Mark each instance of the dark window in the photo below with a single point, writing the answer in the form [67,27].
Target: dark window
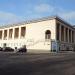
[48,34]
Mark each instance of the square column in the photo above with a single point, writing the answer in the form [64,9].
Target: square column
[74,36]
[60,32]
[71,36]
[64,34]
[68,36]
[7,34]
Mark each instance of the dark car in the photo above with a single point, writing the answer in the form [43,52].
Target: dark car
[22,49]
[8,49]
[1,49]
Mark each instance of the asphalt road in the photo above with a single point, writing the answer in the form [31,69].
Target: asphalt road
[37,64]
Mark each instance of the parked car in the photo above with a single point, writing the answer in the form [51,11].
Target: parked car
[22,49]
[1,49]
[8,49]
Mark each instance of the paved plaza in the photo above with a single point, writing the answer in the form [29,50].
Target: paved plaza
[37,64]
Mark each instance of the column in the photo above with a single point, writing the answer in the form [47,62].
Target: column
[60,33]
[68,35]
[64,34]
[74,36]
[71,36]
[19,32]
[7,34]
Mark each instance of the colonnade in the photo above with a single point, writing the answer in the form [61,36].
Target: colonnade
[65,33]
[12,33]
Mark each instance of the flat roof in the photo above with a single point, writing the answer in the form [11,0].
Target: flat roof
[38,20]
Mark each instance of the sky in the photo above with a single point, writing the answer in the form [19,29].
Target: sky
[15,11]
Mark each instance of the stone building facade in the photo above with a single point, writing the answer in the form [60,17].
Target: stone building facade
[41,35]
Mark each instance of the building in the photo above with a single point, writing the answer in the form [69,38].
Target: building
[41,35]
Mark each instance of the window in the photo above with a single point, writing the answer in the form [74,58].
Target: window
[48,34]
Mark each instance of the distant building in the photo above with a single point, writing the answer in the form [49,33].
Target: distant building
[40,35]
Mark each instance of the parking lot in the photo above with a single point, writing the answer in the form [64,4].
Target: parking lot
[37,64]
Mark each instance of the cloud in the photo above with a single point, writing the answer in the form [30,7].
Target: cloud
[37,11]
[42,8]
[45,9]
[8,18]
[68,16]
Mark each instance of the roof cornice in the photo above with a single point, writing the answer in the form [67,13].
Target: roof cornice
[28,22]
[37,20]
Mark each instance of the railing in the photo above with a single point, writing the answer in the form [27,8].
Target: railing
[43,41]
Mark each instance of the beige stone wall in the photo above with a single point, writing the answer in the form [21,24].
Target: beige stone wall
[34,36]
[37,30]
